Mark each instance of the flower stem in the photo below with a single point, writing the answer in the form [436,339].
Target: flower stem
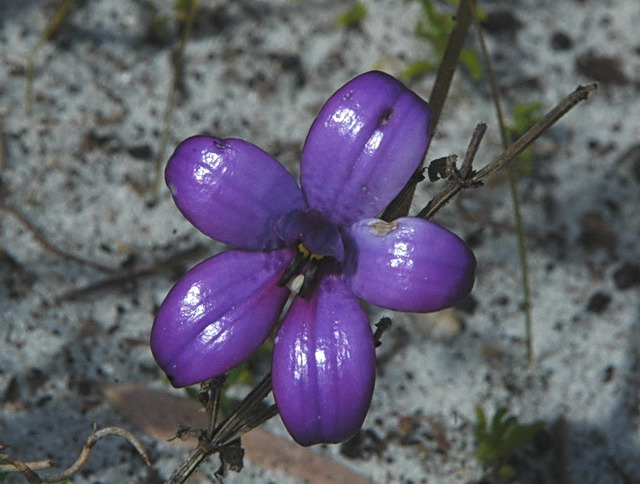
[399,206]
[515,198]
[224,438]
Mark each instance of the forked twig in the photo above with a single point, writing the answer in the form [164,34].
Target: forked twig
[452,189]
[224,439]
[34,478]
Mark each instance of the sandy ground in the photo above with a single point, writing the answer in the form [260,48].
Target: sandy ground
[79,166]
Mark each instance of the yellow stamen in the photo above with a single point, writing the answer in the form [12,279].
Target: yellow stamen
[308,254]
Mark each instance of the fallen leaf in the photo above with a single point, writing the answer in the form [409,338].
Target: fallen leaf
[158,413]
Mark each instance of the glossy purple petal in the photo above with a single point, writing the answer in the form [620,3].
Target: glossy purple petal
[410,264]
[367,140]
[231,190]
[324,365]
[218,313]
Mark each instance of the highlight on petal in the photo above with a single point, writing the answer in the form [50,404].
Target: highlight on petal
[366,142]
[231,190]
[409,264]
[324,365]
[218,314]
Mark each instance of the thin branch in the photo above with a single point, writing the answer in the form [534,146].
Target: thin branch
[227,431]
[451,190]
[472,150]
[515,197]
[212,391]
[450,60]
[563,107]
[457,178]
[95,436]
[27,472]
[400,205]
[34,466]
[225,438]
[45,244]
[119,280]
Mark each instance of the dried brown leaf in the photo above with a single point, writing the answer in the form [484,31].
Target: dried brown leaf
[159,413]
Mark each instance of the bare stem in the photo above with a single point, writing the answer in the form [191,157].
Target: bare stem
[225,438]
[96,435]
[34,466]
[515,198]
[451,190]
[450,60]
[117,280]
[400,205]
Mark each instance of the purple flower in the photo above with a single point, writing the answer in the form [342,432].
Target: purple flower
[321,242]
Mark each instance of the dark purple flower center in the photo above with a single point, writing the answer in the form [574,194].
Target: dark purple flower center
[319,246]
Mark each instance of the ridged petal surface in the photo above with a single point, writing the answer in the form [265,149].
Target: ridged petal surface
[367,140]
[324,365]
[410,264]
[218,313]
[231,190]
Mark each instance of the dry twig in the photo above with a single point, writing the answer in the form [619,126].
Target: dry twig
[34,478]
[454,187]
[118,280]
[224,438]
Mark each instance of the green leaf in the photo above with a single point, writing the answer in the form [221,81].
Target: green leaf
[523,117]
[184,8]
[434,27]
[506,471]
[416,69]
[480,428]
[497,442]
[471,60]
[353,16]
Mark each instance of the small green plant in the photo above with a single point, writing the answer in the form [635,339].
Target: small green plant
[524,116]
[241,374]
[55,22]
[352,17]
[499,440]
[434,27]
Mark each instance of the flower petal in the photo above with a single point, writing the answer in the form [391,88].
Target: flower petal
[218,314]
[231,190]
[366,142]
[324,365]
[410,264]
